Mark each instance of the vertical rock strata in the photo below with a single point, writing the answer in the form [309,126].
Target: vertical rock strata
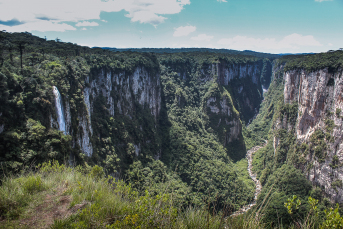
[121,92]
[319,95]
[238,86]
[238,81]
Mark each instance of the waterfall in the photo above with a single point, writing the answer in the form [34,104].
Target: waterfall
[59,110]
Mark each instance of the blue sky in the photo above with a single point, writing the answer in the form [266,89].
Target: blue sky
[273,26]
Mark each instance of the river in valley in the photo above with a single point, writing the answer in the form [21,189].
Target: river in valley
[258,185]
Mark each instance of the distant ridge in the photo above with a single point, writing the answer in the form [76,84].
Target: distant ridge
[288,54]
[181,50]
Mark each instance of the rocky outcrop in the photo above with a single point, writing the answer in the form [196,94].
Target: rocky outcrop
[139,87]
[238,81]
[319,95]
[227,73]
[221,109]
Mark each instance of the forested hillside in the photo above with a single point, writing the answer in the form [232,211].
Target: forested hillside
[300,118]
[124,111]
[174,125]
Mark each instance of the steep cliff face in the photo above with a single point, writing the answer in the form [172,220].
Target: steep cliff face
[121,94]
[318,99]
[228,91]
[240,99]
[243,81]
[224,120]
[227,73]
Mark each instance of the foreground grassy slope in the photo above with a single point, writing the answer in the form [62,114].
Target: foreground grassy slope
[59,197]
[56,196]
[193,161]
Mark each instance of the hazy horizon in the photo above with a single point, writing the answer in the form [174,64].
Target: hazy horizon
[262,26]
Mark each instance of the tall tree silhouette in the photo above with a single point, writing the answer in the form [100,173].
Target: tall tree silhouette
[2,47]
[21,46]
[9,46]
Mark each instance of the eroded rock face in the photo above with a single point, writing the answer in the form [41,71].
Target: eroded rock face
[121,92]
[84,134]
[222,108]
[228,73]
[235,130]
[319,96]
[140,87]
[238,81]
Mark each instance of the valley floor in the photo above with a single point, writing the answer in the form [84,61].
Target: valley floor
[258,185]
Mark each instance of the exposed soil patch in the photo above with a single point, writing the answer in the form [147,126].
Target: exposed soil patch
[55,206]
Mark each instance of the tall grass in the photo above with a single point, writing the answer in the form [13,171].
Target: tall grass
[99,202]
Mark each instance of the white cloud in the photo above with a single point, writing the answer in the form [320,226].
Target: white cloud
[183,31]
[202,37]
[86,23]
[290,42]
[84,28]
[41,26]
[221,0]
[323,0]
[330,44]
[33,12]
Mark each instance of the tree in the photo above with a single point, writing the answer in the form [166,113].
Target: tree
[9,46]
[2,47]
[21,47]
[33,58]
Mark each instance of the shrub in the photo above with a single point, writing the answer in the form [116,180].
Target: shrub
[49,167]
[337,184]
[32,184]
[97,172]
[333,219]
[335,162]
[329,125]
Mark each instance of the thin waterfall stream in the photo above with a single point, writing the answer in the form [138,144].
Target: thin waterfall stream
[59,110]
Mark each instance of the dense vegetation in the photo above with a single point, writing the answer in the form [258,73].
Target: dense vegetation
[199,177]
[27,100]
[56,196]
[276,168]
[333,60]
[183,132]
[196,50]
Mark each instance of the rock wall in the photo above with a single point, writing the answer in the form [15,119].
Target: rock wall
[222,109]
[2,126]
[238,98]
[319,95]
[228,73]
[121,92]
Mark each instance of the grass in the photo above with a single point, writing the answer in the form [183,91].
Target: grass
[56,197]
[59,197]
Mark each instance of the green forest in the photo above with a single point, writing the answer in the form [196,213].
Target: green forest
[181,167]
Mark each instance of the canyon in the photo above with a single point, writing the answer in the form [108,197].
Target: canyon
[182,122]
